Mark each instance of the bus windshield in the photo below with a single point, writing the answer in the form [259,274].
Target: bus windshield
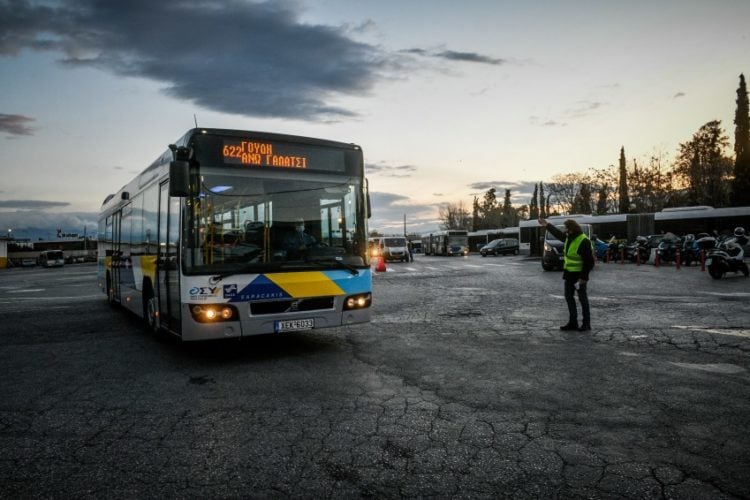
[250,221]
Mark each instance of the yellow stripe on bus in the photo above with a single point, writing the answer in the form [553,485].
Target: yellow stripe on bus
[307,284]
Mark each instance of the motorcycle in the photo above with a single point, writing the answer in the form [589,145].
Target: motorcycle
[638,250]
[690,252]
[726,256]
[667,249]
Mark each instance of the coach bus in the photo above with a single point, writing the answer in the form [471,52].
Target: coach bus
[232,233]
[448,242]
[678,220]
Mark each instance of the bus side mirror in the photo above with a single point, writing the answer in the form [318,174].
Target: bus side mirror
[179,178]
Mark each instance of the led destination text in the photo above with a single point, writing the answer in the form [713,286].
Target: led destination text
[261,154]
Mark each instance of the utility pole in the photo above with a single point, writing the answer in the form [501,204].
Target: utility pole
[404,225]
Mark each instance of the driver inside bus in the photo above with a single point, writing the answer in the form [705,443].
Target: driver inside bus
[296,243]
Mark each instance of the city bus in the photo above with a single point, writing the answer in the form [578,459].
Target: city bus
[447,242]
[51,258]
[678,220]
[231,233]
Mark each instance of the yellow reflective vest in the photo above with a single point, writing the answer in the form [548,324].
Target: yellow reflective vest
[573,261]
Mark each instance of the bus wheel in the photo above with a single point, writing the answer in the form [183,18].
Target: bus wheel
[150,309]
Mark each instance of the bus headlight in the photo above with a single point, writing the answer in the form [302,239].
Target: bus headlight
[360,301]
[212,313]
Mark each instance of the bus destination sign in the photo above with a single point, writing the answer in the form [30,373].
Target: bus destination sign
[264,154]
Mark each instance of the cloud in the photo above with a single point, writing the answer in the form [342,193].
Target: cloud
[383,170]
[469,57]
[389,210]
[452,55]
[32,204]
[583,108]
[16,124]
[252,58]
[36,224]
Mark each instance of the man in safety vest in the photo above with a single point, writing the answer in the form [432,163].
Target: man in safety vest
[579,261]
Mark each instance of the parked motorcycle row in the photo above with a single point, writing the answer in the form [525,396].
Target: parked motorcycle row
[719,254]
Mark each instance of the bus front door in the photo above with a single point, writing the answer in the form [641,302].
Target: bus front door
[168,268]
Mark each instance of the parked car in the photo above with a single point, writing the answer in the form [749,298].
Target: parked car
[501,246]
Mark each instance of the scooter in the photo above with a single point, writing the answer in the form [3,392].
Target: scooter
[690,252]
[667,248]
[639,249]
[727,256]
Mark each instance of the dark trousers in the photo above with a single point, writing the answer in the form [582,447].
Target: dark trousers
[570,298]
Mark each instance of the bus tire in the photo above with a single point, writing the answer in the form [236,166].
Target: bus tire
[150,308]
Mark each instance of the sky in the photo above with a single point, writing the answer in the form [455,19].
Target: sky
[447,99]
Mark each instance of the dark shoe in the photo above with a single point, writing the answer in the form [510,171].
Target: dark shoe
[569,326]
[585,328]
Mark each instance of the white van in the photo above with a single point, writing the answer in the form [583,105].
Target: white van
[395,248]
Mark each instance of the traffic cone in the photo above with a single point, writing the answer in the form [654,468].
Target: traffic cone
[380,266]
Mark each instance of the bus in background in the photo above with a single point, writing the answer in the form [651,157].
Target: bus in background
[51,258]
[232,233]
[448,242]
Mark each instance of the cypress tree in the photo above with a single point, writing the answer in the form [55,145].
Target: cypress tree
[741,182]
[534,204]
[542,205]
[624,206]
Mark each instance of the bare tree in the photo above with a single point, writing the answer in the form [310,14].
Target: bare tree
[454,216]
[564,191]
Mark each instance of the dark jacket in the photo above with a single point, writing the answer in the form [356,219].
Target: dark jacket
[583,250]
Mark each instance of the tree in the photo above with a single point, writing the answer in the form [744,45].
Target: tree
[565,189]
[534,204]
[454,216]
[582,200]
[703,167]
[542,204]
[476,219]
[624,206]
[741,182]
[601,201]
[510,217]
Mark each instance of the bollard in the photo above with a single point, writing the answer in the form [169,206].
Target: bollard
[703,260]
[637,256]
[656,259]
[678,259]
[622,256]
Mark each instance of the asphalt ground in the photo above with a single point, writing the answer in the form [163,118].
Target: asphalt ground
[462,386]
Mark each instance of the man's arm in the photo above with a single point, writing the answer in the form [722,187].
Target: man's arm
[552,229]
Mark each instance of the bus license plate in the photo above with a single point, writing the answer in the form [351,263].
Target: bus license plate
[294,325]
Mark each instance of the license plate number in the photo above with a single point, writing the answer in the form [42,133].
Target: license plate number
[708,262]
[294,325]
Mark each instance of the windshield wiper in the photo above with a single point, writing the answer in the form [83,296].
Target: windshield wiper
[332,260]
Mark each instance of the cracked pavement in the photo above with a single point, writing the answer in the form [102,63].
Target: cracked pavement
[462,386]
